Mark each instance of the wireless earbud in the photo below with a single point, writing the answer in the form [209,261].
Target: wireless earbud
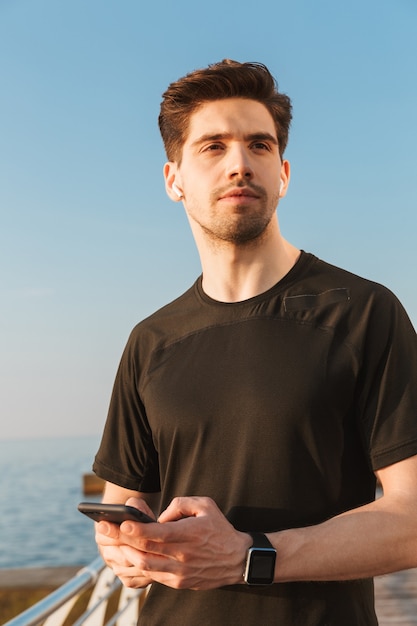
[177,190]
[281,184]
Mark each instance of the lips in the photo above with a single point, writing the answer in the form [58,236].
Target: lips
[239,192]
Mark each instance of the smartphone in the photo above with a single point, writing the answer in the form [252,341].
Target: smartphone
[114,513]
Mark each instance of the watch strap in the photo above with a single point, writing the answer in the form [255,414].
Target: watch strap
[260,540]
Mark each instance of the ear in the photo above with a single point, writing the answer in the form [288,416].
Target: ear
[171,181]
[285,178]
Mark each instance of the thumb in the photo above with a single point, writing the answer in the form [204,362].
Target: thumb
[141,505]
[188,506]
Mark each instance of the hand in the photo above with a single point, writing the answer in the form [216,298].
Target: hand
[192,547]
[109,541]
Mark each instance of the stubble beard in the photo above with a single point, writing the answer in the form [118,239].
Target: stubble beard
[246,225]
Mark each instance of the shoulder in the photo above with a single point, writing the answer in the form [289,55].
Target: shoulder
[167,324]
[352,305]
[327,276]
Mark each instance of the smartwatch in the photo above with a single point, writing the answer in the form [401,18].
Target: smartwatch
[260,561]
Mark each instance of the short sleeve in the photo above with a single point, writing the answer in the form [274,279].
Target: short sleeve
[388,383]
[127,455]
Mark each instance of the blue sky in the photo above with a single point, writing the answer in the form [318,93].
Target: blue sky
[89,242]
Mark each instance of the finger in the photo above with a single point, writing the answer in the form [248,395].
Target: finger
[139,503]
[158,538]
[139,535]
[133,567]
[108,530]
[135,582]
[107,540]
[189,506]
[115,557]
[162,539]
[170,571]
[146,562]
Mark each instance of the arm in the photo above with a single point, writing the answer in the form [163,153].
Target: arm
[375,539]
[202,550]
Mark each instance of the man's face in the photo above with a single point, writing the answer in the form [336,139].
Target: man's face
[230,170]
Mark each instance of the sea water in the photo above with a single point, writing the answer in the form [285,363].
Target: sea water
[40,487]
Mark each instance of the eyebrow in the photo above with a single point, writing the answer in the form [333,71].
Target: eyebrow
[250,137]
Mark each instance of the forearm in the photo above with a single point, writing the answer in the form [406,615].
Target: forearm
[194,546]
[372,540]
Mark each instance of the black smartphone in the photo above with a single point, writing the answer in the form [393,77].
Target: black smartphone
[114,513]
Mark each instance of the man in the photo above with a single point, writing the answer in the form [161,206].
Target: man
[254,413]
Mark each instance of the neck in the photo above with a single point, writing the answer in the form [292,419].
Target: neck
[235,273]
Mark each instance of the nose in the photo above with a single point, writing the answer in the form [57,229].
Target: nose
[239,163]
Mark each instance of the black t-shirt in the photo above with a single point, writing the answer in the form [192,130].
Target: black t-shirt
[280,408]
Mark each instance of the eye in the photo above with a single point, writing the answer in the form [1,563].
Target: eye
[260,145]
[212,147]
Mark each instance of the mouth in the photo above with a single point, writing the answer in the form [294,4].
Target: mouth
[239,193]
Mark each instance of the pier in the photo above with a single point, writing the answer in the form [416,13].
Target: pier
[396,598]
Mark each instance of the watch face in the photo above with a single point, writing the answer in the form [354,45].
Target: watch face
[261,566]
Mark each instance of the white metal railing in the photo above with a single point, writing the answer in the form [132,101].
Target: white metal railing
[55,608]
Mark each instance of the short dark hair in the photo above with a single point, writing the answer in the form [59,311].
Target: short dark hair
[226,79]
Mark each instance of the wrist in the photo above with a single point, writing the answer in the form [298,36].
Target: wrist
[246,542]
[260,561]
